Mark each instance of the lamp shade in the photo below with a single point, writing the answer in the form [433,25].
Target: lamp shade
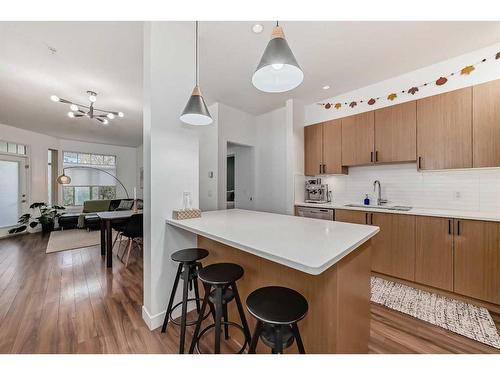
[278,71]
[63,179]
[196,111]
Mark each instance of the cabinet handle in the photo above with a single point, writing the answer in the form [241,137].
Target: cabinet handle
[419,162]
[376,156]
[458,227]
[320,168]
[366,218]
[371,156]
[324,168]
[371,219]
[449,226]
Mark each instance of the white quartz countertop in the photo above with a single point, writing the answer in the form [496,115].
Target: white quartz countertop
[308,245]
[437,212]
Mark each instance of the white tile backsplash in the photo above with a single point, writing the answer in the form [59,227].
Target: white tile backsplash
[402,184]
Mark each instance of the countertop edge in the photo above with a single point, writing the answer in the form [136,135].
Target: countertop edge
[416,211]
[285,262]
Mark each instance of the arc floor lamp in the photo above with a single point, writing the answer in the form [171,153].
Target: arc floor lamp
[65,180]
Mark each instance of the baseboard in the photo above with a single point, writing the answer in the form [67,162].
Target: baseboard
[156,320]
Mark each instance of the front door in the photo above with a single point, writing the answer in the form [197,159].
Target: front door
[13,196]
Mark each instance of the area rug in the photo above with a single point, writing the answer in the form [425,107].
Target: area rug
[457,316]
[73,239]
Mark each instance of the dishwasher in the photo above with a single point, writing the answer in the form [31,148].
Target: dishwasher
[316,213]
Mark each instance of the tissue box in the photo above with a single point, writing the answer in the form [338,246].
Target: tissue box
[186,214]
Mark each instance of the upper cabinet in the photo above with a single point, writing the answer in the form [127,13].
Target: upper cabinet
[322,149]
[444,130]
[396,133]
[358,133]
[486,124]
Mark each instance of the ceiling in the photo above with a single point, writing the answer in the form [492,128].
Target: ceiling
[343,55]
[105,57]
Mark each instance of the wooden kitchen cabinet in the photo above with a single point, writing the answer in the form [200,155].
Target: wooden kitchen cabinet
[313,149]
[444,130]
[434,252]
[396,133]
[322,149]
[477,259]
[351,216]
[393,248]
[358,134]
[486,125]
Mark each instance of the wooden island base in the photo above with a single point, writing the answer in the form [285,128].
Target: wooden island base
[338,320]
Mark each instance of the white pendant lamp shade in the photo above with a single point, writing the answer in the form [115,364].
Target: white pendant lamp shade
[278,71]
[196,111]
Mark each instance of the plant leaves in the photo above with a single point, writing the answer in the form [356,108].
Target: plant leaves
[328,106]
[392,96]
[353,104]
[497,56]
[33,224]
[20,229]
[467,70]
[338,105]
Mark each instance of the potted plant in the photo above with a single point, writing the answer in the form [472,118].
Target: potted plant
[48,215]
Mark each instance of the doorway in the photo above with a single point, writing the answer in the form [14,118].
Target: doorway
[13,199]
[240,176]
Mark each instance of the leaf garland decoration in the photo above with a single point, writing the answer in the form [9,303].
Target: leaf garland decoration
[338,105]
[441,81]
[497,56]
[413,90]
[392,96]
[467,70]
[328,105]
[353,104]
[371,101]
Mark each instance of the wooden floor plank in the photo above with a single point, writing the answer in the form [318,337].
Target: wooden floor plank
[69,302]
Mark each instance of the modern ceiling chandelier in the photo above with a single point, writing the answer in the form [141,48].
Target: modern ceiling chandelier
[278,71]
[80,110]
[196,111]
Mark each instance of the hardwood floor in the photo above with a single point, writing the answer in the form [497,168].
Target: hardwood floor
[68,302]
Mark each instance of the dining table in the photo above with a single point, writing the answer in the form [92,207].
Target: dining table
[107,219]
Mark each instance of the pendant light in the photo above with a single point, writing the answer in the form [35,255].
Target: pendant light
[278,71]
[196,111]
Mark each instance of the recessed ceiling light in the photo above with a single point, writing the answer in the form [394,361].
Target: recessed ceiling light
[326,87]
[257,28]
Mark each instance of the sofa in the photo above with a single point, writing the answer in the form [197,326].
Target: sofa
[88,219]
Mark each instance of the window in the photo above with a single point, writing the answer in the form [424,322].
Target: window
[12,148]
[92,180]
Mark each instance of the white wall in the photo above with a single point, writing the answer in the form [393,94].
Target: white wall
[170,156]
[209,168]
[471,189]
[139,165]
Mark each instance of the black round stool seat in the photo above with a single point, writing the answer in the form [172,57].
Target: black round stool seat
[277,305]
[189,255]
[220,273]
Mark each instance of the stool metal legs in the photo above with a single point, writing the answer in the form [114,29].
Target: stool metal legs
[172,296]
[220,314]
[278,338]
[255,338]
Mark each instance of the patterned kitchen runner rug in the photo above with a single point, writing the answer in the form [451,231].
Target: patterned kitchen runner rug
[454,315]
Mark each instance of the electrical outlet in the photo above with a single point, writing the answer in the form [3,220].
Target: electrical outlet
[457,195]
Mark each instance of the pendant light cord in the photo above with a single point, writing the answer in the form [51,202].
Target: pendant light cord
[196,54]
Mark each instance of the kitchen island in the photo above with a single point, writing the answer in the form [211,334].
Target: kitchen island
[328,262]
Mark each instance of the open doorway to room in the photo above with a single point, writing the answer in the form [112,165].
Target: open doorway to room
[240,176]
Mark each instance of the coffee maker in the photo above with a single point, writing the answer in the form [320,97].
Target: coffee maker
[316,192]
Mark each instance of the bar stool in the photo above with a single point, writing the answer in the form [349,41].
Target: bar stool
[219,281]
[277,310]
[188,269]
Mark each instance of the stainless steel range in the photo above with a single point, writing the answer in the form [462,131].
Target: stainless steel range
[316,192]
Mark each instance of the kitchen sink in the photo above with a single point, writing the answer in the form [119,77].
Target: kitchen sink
[390,208]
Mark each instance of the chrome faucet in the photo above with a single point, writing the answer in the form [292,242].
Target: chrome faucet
[380,201]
